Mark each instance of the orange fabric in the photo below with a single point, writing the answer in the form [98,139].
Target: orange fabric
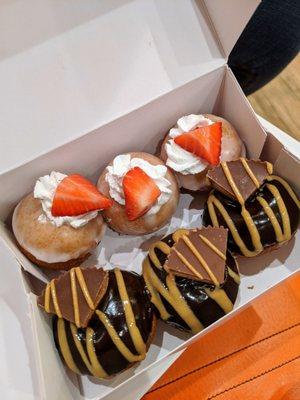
[254,356]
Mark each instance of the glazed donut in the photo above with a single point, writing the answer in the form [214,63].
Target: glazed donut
[111,184]
[117,332]
[56,242]
[260,210]
[188,293]
[189,169]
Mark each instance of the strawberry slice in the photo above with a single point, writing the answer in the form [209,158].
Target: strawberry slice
[75,195]
[140,191]
[204,142]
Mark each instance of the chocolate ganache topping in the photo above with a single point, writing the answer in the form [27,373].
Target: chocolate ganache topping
[192,279]
[259,209]
[118,334]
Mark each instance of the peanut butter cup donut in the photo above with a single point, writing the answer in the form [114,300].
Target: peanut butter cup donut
[192,278]
[260,209]
[104,320]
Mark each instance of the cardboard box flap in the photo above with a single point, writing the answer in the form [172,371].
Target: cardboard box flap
[287,165]
[77,66]
[231,104]
[271,149]
[230,19]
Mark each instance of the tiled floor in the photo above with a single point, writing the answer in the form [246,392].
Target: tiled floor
[279,100]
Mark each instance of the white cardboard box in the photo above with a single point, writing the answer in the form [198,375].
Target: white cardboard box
[89,73]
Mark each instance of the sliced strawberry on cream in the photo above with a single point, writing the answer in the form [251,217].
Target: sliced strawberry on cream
[140,191]
[204,142]
[75,195]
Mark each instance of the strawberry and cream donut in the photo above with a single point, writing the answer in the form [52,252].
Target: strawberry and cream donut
[58,224]
[143,190]
[198,143]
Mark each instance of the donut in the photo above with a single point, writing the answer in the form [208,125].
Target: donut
[260,209]
[220,142]
[144,193]
[111,334]
[59,242]
[192,278]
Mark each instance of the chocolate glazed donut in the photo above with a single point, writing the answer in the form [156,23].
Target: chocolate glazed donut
[265,220]
[118,334]
[188,304]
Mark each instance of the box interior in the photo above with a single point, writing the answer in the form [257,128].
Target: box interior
[216,92]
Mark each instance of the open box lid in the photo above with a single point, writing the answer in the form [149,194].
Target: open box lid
[67,68]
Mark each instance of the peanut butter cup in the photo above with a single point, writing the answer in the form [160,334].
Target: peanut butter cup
[75,295]
[240,178]
[200,254]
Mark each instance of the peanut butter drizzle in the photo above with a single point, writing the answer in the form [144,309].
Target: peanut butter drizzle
[64,346]
[283,212]
[120,345]
[186,312]
[90,361]
[255,236]
[268,210]
[155,297]
[98,369]
[213,202]
[250,172]
[220,297]
[134,332]
[269,168]
[213,247]
[171,293]
[163,247]
[75,297]
[47,299]
[179,234]
[54,299]
[234,275]
[287,188]
[201,260]
[84,288]
[50,292]
[232,183]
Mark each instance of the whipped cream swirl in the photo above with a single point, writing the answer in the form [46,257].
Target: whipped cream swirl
[179,159]
[44,190]
[124,163]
